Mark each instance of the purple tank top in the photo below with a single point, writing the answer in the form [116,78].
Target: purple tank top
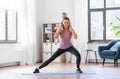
[65,41]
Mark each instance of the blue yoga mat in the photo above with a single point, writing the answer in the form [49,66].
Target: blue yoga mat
[58,73]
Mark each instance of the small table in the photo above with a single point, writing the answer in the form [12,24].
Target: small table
[91,50]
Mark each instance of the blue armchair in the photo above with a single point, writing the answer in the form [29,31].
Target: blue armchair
[106,53]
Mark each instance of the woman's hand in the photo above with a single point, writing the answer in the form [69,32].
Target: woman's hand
[73,32]
[70,29]
[57,33]
[60,27]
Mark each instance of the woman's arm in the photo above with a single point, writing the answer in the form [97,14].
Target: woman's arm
[73,33]
[57,33]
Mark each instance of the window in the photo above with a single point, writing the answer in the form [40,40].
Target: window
[100,14]
[8,26]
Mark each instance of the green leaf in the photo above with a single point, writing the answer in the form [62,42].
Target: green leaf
[117,18]
[116,27]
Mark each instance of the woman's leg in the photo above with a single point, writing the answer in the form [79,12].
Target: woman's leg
[54,56]
[78,56]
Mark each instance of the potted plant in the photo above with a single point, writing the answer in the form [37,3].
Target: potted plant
[116,27]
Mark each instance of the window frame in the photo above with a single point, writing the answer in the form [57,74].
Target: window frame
[104,10]
[6,28]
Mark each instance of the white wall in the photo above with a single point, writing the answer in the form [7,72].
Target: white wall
[39,20]
[9,53]
[52,10]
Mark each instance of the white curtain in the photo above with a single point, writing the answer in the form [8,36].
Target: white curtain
[28,32]
[31,31]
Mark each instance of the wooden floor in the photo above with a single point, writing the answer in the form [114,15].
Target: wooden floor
[102,72]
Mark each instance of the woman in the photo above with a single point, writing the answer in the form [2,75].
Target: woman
[65,31]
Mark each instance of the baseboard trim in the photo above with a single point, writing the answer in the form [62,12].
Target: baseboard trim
[9,64]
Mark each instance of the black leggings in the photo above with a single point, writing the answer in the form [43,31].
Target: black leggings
[71,49]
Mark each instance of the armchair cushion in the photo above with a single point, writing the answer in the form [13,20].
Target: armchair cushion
[115,46]
[108,52]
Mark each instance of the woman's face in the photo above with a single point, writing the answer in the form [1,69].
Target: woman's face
[66,23]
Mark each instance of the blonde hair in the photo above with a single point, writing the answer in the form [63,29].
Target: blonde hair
[64,13]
